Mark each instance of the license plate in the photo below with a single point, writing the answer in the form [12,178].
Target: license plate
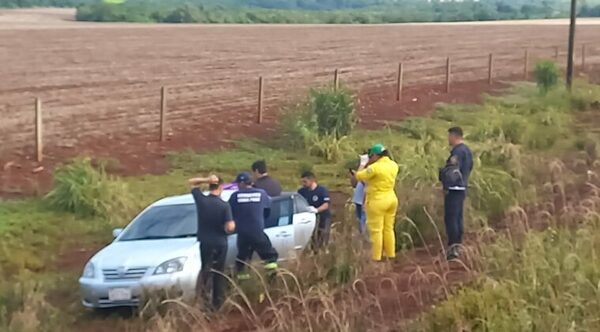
[119,294]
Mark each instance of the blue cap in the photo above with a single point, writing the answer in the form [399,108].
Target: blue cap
[244,177]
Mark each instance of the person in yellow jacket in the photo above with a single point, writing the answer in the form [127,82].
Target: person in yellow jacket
[381,201]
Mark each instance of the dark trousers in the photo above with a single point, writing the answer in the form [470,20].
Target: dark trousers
[247,244]
[322,231]
[453,215]
[212,257]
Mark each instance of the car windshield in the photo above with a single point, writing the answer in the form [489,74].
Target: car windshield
[163,222]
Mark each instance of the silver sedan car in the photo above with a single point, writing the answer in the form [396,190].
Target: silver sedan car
[158,250]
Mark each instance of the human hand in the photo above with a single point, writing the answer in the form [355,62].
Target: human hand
[213,179]
[313,209]
[229,227]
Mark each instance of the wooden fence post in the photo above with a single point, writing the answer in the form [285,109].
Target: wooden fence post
[526,65]
[583,57]
[491,69]
[39,147]
[259,116]
[400,81]
[163,111]
[556,51]
[448,74]
[336,79]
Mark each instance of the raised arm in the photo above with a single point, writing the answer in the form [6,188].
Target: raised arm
[197,182]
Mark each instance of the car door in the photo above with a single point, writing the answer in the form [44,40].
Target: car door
[279,228]
[303,222]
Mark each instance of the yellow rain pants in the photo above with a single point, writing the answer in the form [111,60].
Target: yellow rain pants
[381,205]
[381,219]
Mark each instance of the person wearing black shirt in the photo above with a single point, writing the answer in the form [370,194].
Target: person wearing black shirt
[262,179]
[215,221]
[454,196]
[318,198]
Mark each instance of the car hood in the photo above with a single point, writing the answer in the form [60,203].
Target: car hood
[144,253]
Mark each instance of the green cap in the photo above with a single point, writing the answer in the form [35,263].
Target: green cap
[376,149]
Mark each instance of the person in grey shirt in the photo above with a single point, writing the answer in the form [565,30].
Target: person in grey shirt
[262,179]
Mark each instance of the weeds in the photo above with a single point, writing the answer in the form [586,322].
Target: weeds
[514,139]
[321,123]
[546,76]
[83,189]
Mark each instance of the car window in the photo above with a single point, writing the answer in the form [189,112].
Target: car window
[163,222]
[300,204]
[285,215]
[280,213]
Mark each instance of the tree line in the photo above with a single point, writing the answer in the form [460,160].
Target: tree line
[274,11]
[310,11]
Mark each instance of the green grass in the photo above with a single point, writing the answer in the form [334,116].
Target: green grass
[32,235]
[514,139]
[547,282]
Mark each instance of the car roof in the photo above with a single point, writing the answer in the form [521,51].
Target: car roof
[188,199]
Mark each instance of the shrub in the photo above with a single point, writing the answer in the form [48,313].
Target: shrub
[321,123]
[333,110]
[81,188]
[546,76]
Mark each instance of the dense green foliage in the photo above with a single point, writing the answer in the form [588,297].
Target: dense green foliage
[310,11]
[321,123]
[546,75]
[89,191]
[274,11]
[589,11]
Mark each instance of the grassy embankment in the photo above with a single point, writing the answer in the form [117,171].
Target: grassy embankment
[517,139]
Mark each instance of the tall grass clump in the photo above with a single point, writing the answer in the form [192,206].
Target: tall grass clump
[89,191]
[546,282]
[546,76]
[321,123]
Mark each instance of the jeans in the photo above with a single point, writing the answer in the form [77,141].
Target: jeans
[362,218]
[453,215]
[213,258]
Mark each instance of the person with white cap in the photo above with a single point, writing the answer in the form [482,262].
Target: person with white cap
[358,196]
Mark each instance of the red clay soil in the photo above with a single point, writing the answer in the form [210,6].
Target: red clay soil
[21,175]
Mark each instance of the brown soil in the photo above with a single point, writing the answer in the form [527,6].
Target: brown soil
[137,154]
[99,83]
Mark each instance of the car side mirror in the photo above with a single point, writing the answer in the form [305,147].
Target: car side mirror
[117,232]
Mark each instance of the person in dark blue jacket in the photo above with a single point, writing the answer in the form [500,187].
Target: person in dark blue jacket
[455,179]
[317,197]
[250,206]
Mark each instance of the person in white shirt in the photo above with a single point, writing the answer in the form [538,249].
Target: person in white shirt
[358,198]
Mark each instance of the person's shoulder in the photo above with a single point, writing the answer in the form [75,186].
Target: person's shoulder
[467,148]
[322,189]
[196,192]
[258,190]
[460,149]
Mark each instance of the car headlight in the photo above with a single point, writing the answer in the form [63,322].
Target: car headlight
[88,270]
[171,266]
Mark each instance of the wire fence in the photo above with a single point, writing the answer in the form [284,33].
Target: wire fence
[137,109]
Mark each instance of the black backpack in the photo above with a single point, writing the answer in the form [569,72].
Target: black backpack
[450,176]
